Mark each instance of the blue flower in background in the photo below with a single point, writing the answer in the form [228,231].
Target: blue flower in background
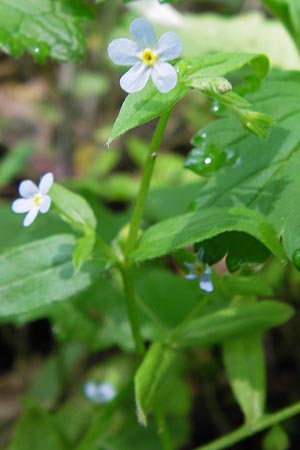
[99,392]
[147,57]
[201,271]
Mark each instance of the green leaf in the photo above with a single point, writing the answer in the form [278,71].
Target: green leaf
[150,376]
[245,366]
[40,273]
[266,176]
[145,105]
[13,162]
[187,229]
[233,322]
[149,103]
[83,250]
[74,209]
[220,64]
[37,426]
[276,439]
[48,28]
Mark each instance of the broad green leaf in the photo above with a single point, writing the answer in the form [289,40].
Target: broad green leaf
[143,106]
[187,229]
[150,376]
[36,427]
[14,162]
[266,175]
[220,64]
[37,274]
[74,209]
[148,104]
[48,28]
[233,322]
[245,366]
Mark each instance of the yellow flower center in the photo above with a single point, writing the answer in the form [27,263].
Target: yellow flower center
[148,57]
[199,269]
[37,198]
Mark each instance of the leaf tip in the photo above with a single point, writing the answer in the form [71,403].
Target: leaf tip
[141,416]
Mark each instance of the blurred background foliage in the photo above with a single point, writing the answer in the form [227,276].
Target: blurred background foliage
[56,116]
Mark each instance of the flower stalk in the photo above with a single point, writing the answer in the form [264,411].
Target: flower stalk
[145,183]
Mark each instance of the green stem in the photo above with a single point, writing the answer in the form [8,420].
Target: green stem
[126,271]
[249,429]
[145,182]
[162,429]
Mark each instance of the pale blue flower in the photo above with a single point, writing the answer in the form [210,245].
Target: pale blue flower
[147,57]
[99,392]
[201,271]
[34,198]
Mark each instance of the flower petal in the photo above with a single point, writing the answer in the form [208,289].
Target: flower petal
[45,204]
[206,283]
[29,218]
[169,46]
[143,33]
[164,76]
[191,276]
[135,78]
[124,52]
[22,205]
[28,189]
[46,182]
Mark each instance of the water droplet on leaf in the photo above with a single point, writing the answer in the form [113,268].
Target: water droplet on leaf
[208,158]
[217,107]
[40,51]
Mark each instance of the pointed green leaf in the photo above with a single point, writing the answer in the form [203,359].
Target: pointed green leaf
[40,273]
[73,208]
[145,105]
[83,250]
[150,376]
[245,366]
[233,322]
[187,229]
[266,176]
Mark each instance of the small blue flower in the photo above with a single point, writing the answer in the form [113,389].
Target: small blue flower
[147,57]
[99,392]
[200,270]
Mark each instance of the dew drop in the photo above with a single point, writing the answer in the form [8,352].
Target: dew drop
[207,160]
[217,107]
[40,51]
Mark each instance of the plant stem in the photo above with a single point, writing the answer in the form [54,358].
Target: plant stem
[126,271]
[162,429]
[249,429]
[145,182]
